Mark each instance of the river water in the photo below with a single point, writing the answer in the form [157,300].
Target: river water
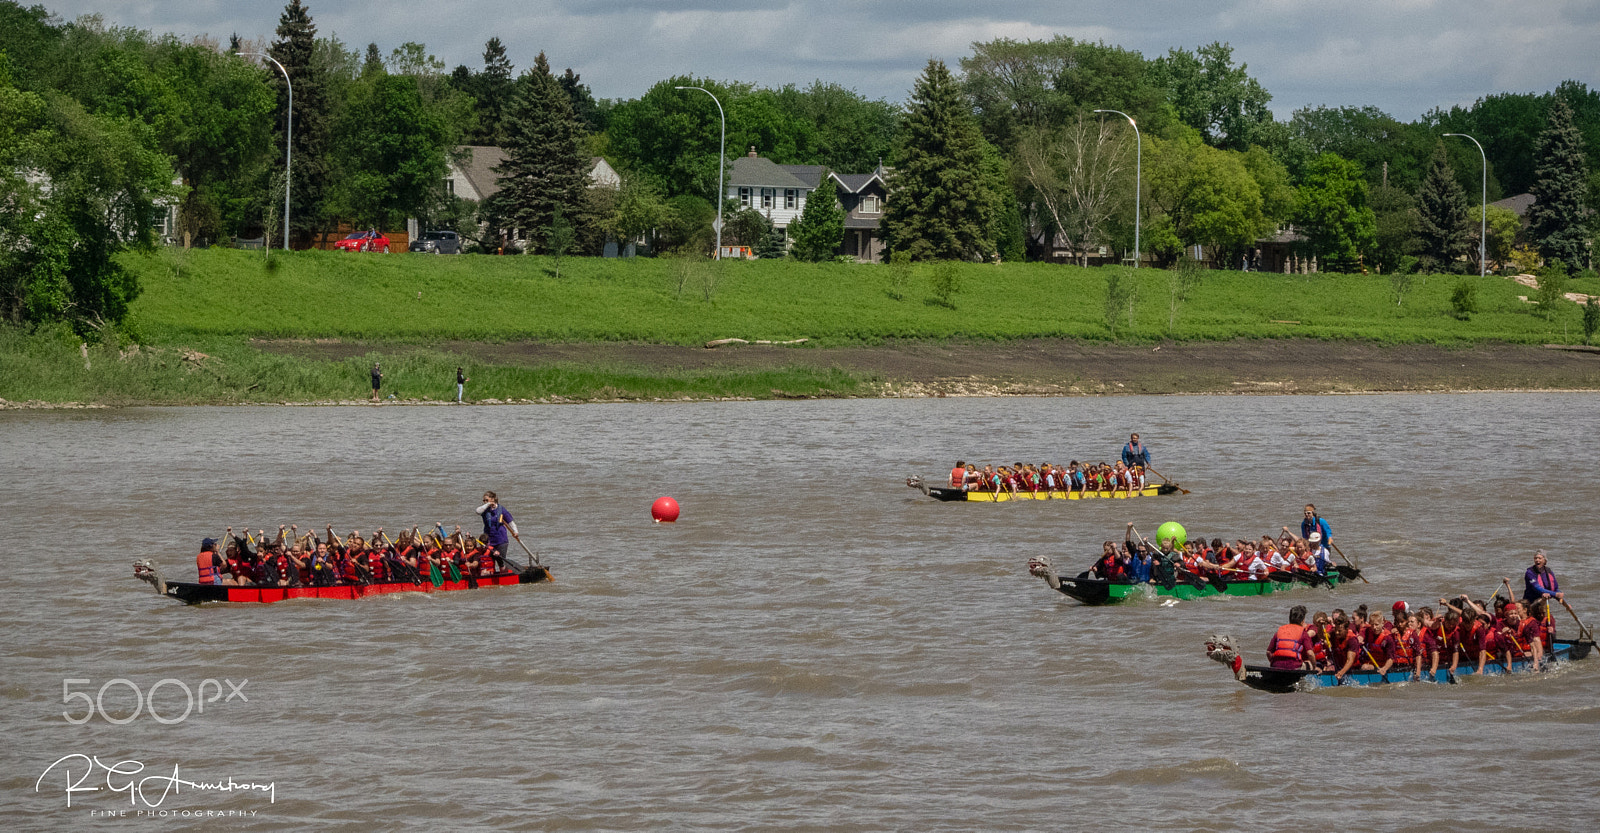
[813,646]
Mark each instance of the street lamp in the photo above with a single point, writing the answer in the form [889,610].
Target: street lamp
[288,143]
[1483,213]
[1138,177]
[722,147]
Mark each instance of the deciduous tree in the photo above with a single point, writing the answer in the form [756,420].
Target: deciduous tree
[1333,212]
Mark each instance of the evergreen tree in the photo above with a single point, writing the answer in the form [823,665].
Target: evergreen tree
[493,88]
[1442,221]
[940,203]
[583,103]
[546,167]
[1561,189]
[820,230]
[294,48]
[373,65]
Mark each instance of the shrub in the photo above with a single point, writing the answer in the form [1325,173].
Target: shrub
[946,283]
[1464,299]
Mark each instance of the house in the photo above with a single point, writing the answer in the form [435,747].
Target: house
[862,196]
[779,193]
[474,179]
[771,189]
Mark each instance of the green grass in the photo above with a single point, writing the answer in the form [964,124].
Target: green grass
[212,293]
[48,367]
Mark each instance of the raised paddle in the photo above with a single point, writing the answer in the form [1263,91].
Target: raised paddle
[1347,561]
[1164,478]
[1582,628]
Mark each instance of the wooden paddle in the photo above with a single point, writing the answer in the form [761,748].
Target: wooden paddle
[1582,628]
[1164,478]
[1336,549]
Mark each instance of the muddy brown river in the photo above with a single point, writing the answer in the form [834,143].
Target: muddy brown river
[813,646]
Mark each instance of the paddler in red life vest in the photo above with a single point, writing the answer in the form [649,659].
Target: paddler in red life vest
[1521,637]
[958,476]
[1287,648]
[1346,648]
[208,562]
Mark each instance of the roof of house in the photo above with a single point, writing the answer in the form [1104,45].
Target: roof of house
[853,222]
[809,175]
[854,183]
[755,171]
[479,167]
[1519,203]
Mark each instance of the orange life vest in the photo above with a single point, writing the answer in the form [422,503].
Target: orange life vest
[1286,642]
[958,478]
[206,562]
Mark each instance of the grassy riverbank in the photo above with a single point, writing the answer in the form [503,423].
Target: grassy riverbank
[225,326]
[426,299]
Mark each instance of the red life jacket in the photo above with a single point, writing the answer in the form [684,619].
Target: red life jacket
[347,569]
[375,563]
[1286,642]
[206,562]
[958,477]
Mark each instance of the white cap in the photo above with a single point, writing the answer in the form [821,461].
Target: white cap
[1315,537]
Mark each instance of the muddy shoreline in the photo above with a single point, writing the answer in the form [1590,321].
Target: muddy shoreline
[1058,367]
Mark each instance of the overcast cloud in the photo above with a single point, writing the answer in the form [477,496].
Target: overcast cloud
[1403,56]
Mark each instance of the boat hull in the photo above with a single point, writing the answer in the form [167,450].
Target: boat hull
[1280,680]
[203,593]
[1092,591]
[947,494]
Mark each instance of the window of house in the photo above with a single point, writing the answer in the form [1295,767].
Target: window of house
[766,197]
[869,204]
[790,196]
[744,197]
[450,187]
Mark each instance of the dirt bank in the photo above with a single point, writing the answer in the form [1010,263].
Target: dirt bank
[1064,367]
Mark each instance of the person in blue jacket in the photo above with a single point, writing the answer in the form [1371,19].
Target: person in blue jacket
[1135,453]
[1313,522]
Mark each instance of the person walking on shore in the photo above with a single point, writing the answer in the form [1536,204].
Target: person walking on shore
[377,379]
[461,384]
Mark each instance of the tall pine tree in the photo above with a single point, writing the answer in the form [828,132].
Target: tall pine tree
[1442,222]
[940,203]
[1560,188]
[297,37]
[545,165]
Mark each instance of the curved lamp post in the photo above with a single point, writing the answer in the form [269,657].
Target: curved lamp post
[722,147]
[1138,177]
[288,142]
[1483,212]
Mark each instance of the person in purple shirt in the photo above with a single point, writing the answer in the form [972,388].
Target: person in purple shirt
[1539,582]
[497,523]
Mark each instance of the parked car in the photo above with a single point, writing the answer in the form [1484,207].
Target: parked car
[363,241]
[438,242]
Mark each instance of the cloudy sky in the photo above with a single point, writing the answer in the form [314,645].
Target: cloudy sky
[1404,56]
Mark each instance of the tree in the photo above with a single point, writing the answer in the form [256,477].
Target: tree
[1333,212]
[747,226]
[1394,216]
[1021,86]
[819,232]
[559,238]
[1442,217]
[583,104]
[1552,290]
[940,204]
[1215,97]
[1076,179]
[638,210]
[294,49]
[491,90]
[1121,296]
[838,127]
[1556,221]
[546,167]
[1207,194]
[1504,227]
[389,153]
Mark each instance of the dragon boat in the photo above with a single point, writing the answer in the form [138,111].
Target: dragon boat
[193,594]
[948,494]
[1185,586]
[1283,680]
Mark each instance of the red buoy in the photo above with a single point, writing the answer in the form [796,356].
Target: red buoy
[664,510]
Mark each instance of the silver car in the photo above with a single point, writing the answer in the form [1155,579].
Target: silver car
[438,243]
